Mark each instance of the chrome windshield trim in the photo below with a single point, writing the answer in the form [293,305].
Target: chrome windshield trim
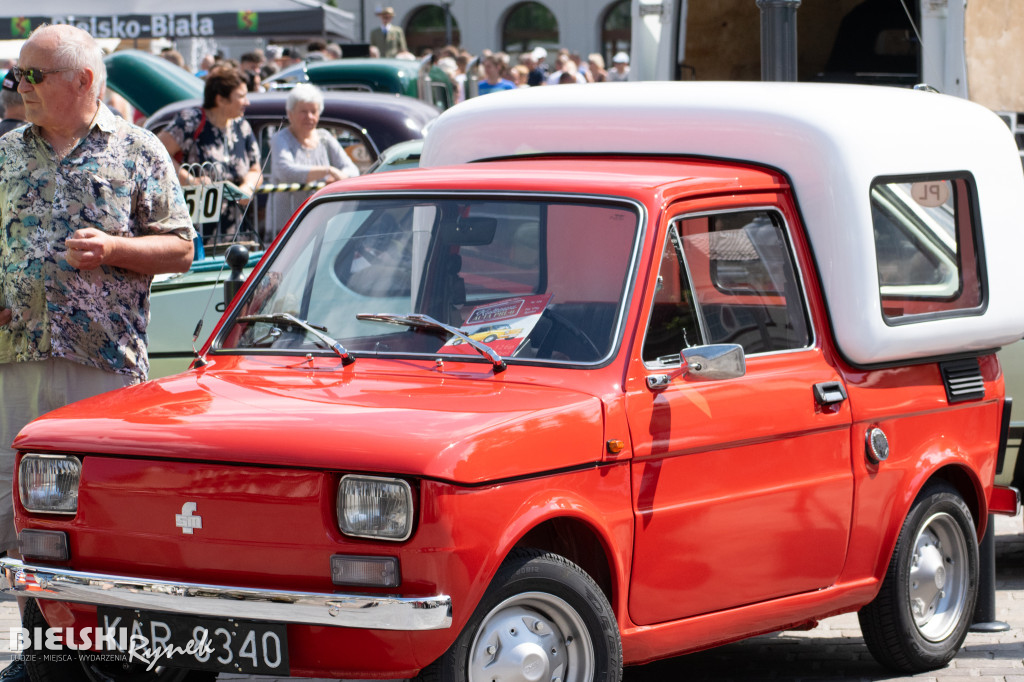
[640,238]
[373,612]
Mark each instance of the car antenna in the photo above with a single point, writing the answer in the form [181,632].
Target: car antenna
[200,359]
[910,18]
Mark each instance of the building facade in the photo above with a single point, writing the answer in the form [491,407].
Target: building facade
[582,26]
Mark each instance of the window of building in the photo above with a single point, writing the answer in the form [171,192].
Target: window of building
[529,25]
[616,30]
[426,29]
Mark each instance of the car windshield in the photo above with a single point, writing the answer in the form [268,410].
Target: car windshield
[532,280]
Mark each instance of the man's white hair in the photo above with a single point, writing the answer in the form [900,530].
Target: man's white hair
[76,50]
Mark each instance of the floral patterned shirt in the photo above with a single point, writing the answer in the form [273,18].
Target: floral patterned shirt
[119,179]
[234,150]
[231,151]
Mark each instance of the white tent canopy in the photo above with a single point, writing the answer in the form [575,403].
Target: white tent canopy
[142,19]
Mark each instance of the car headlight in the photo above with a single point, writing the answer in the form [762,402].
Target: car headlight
[48,484]
[373,507]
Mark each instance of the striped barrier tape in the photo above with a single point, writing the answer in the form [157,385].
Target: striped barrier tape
[289,187]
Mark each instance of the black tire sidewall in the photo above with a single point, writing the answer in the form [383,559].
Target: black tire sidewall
[534,571]
[922,653]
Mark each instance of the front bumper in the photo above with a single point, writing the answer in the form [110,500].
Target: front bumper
[217,601]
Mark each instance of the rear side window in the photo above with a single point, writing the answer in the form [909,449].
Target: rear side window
[927,240]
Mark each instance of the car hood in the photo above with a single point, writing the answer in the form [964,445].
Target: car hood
[468,430]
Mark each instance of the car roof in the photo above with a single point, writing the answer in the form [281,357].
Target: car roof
[398,156]
[149,82]
[645,180]
[379,74]
[386,119]
[831,141]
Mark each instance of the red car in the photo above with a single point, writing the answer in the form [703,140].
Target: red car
[754,385]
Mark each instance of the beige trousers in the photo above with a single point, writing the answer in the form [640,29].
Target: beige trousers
[28,390]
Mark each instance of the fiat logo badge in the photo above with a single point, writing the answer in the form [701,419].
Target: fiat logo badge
[187,520]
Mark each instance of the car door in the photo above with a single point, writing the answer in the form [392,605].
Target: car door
[742,487]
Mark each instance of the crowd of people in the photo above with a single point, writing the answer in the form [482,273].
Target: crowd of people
[495,71]
[492,71]
[487,72]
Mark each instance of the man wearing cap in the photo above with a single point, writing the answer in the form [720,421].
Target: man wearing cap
[539,73]
[620,67]
[13,106]
[389,39]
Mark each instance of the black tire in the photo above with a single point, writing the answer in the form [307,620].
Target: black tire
[555,614]
[925,607]
[47,665]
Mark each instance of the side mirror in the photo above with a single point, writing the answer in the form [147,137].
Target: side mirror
[715,362]
[237,258]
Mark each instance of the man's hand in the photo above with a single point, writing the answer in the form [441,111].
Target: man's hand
[89,248]
[5,316]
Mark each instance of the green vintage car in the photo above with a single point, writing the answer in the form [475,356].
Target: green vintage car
[149,82]
[421,80]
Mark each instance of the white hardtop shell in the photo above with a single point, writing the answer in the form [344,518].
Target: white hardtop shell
[831,141]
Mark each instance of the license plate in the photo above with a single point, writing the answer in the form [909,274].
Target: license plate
[178,641]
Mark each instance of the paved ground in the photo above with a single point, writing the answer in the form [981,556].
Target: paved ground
[832,651]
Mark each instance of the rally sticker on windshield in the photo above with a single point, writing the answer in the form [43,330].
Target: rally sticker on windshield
[502,325]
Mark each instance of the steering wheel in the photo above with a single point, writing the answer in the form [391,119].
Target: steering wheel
[560,328]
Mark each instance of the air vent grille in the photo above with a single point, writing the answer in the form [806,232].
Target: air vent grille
[963,380]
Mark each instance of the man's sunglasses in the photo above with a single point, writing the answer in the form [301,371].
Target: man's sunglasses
[34,76]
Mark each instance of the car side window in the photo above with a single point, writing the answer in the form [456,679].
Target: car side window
[727,278]
[673,321]
[926,247]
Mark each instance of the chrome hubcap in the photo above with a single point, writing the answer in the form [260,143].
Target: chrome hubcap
[938,577]
[532,637]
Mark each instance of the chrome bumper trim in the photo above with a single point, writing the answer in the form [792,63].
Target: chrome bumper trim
[217,601]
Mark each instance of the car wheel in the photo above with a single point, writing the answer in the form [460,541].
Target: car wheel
[65,665]
[489,338]
[925,606]
[542,618]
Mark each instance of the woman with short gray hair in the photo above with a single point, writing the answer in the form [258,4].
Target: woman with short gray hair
[302,153]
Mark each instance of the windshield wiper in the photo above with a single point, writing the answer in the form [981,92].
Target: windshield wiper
[427,322]
[318,332]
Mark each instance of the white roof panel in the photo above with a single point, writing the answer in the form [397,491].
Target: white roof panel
[830,140]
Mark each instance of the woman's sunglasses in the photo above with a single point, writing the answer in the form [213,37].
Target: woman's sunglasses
[34,76]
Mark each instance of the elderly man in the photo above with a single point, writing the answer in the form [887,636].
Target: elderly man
[388,38]
[90,210]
